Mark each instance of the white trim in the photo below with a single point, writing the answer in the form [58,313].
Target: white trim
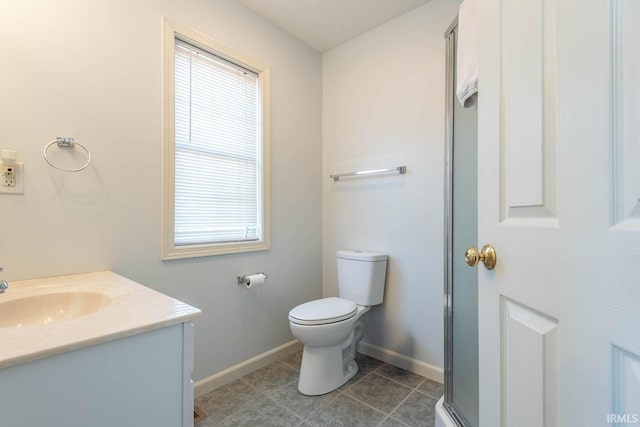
[401,361]
[171,31]
[442,416]
[221,378]
[232,373]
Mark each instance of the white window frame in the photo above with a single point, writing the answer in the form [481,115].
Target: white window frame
[169,250]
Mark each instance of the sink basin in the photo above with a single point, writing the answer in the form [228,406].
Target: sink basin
[48,308]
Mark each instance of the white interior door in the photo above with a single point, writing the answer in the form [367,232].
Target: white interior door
[559,199]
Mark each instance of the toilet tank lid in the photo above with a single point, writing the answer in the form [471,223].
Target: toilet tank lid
[361,255]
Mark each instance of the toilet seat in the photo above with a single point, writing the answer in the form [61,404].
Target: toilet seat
[323,311]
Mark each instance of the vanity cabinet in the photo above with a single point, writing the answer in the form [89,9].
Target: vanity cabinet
[142,380]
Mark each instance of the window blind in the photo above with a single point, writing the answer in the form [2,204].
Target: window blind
[217,149]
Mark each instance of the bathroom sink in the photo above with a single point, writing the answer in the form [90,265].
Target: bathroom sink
[49,308]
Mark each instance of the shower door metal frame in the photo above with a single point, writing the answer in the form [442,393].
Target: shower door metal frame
[450,406]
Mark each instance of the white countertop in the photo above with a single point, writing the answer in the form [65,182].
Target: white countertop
[134,309]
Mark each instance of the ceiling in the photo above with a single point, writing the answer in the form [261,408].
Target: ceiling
[325,24]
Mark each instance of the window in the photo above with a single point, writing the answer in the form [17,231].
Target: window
[216,148]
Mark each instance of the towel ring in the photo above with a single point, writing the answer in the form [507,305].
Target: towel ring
[66,143]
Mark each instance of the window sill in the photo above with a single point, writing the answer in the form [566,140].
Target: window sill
[195,251]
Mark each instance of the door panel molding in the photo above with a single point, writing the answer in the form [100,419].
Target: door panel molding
[626,383]
[528,112]
[625,113]
[529,371]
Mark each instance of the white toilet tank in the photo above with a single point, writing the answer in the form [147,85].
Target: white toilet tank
[361,276]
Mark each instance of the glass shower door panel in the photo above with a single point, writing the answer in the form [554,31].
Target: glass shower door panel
[464,279]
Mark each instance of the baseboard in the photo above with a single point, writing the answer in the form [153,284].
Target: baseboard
[221,378]
[401,361]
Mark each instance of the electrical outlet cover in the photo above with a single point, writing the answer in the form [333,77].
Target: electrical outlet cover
[19,187]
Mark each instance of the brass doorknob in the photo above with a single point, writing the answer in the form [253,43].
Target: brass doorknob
[487,255]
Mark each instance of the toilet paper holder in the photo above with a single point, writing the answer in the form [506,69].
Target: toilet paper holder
[244,279]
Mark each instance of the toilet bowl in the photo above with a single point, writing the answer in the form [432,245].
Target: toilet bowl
[330,328]
[328,359]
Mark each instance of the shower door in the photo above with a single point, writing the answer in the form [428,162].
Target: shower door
[461,287]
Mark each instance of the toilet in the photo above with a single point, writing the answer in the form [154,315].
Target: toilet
[330,328]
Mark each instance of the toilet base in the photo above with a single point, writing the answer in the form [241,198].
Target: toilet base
[323,370]
[326,368]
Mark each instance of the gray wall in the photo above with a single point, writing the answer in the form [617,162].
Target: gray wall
[383,104]
[92,71]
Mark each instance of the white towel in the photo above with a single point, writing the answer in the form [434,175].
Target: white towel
[467,54]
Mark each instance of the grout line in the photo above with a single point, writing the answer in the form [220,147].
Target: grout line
[315,411]
[427,394]
[401,403]
[389,417]
[251,385]
[246,405]
[301,420]
[282,387]
[366,404]
[411,391]
[358,381]
[299,416]
[406,385]
[383,420]
[394,408]
[397,382]
[264,395]
[292,366]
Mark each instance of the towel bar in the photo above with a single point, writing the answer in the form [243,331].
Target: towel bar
[398,169]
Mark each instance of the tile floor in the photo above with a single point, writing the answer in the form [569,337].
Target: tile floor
[379,395]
